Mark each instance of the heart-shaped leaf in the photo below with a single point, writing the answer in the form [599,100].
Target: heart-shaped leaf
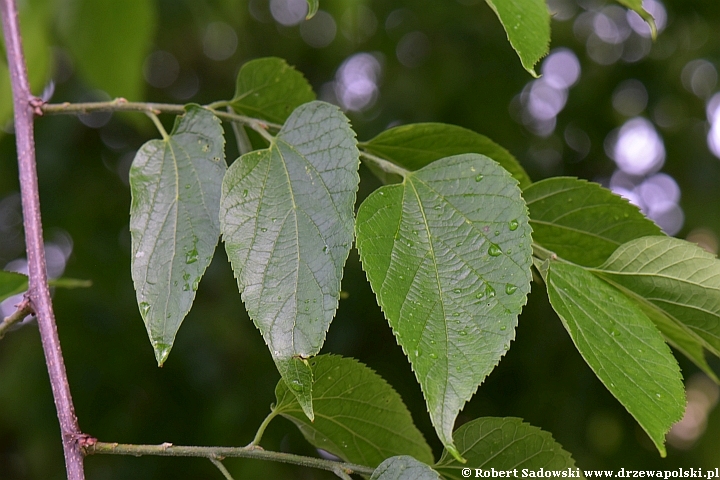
[447,253]
[175,185]
[287,222]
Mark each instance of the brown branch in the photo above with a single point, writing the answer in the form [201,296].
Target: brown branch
[93,447]
[24,105]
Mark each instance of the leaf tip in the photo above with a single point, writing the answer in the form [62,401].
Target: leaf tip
[455,453]
[531,71]
[313,6]
[162,352]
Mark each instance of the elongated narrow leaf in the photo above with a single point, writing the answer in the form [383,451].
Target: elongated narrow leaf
[676,277]
[637,7]
[12,283]
[621,345]
[270,89]
[109,42]
[527,24]
[417,145]
[582,221]
[313,6]
[358,416]
[447,253]
[505,444]
[404,468]
[287,223]
[175,185]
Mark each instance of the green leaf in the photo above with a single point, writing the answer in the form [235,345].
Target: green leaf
[404,468]
[12,283]
[109,41]
[417,145]
[504,444]
[287,222]
[582,221]
[313,6]
[447,253]
[527,24]
[675,277]
[621,345]
[175,185]
[270,89]
[358,416]
[679,338]
[636,6]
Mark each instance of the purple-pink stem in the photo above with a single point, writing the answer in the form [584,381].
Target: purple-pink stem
[25,106]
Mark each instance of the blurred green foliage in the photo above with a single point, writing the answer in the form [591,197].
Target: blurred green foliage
[441,61]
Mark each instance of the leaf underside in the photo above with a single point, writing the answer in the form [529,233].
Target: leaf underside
[404,468]
[447,254]
[581,221]
[287,223]
[358,415]
[175,185]
[503,444]
[621,345]
[527,24]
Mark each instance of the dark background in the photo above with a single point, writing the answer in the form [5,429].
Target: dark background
[440,60]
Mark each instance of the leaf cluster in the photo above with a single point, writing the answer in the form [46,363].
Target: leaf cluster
[448,246]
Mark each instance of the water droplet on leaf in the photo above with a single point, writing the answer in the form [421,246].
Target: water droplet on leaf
[494,250]
[513,225]
[510,288]
[478,178]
